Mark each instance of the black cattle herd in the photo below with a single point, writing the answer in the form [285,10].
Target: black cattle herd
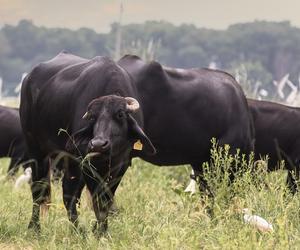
[100,114]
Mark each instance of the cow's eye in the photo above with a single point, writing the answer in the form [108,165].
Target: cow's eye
[120,115]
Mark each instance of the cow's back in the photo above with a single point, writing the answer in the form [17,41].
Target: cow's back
[43,72]
[184,109]
[276,130]
[10,129]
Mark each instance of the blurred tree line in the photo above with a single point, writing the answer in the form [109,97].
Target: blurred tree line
[266,51]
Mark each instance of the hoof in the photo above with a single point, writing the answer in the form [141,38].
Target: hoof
[100,230]
[79,230]
[113,210]
[34,226]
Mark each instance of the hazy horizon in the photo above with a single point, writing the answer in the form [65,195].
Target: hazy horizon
[99,15]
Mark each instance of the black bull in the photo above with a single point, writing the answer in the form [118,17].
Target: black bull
[178,111]
[12,143]
[277,135]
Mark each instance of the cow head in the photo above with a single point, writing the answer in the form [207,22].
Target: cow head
[111,131]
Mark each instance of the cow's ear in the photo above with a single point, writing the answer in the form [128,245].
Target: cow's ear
[141,140]
[78,139]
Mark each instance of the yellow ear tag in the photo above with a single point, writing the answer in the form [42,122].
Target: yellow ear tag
[138,145]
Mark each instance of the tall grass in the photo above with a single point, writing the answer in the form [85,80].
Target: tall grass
[155,213]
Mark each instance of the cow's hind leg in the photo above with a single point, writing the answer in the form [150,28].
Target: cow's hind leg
[292,164]
[206,194]
[17,157]
[40,189]
[291,182]
[241,145]
[292,176]
[198,176]
[72,184]
[13,166]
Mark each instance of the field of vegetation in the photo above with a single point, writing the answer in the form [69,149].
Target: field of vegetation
[155,213]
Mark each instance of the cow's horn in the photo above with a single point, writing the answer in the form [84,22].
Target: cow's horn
[86,115]
[132,104]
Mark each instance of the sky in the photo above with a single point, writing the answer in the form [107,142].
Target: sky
[99,14]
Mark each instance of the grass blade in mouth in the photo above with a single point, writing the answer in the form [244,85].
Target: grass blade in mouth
[89,156]
[92,154]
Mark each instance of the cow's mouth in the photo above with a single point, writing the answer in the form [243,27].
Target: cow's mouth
[92,155]
[102,156]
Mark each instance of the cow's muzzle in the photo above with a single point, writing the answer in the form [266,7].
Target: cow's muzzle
[99,145]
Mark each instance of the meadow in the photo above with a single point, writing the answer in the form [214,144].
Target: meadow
[155,213]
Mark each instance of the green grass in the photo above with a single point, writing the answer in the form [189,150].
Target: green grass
[155,213]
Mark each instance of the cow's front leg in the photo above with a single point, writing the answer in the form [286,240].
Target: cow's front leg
[73,184]
[101,203]
[102,199]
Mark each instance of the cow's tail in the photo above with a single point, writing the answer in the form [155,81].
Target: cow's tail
[252,131]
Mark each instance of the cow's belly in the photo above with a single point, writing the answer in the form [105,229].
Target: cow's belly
[50,140]
[4,150]
[275,154]
[175,157]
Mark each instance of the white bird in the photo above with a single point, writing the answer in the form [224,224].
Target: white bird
[260,223]
[191,188]
[24,178]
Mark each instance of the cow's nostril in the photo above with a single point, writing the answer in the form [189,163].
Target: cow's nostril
[105,145]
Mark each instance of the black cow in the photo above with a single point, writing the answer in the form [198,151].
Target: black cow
[12,143]
[277,135]
[184,108]
[180,111]
[93,101]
